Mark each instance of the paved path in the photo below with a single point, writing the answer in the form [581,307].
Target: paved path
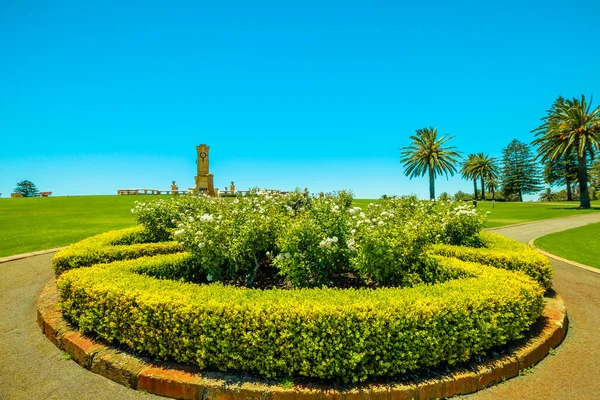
[574,372]
[33,368]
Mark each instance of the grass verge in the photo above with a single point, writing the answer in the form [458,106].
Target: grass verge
[577,244]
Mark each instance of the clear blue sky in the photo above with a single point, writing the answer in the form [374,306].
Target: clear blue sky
[97,96]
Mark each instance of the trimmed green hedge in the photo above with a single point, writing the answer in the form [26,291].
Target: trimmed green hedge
[505,253]
[124,244]
[342,334]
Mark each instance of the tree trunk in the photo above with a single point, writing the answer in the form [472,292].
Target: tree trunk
[569,194]
[493,193]
[482,188]
[584,195]
[520,195]
[475,188]
[431,184]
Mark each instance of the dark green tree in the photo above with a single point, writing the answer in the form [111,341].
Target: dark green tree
[429,154]
[571,126]
[562,171]
[27,189]
[520,172]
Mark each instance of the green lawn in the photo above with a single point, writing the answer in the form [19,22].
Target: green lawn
[516,213]
[38,223]
[578,244]
[43,223]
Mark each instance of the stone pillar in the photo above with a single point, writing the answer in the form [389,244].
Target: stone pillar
[204,179]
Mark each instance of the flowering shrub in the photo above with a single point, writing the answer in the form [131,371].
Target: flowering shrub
[313,247]
[312,241]
[160,217]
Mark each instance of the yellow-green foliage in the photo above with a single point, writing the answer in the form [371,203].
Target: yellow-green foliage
[111,246]
[343,334]
[505,253]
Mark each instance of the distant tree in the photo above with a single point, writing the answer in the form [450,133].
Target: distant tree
[485,167]
[520,173]
[462,196]
[571,126]
[563,170]
[594,174]
[467,171]
[445,196]
[492,184]
[429,154]
[27,189]
[548,195]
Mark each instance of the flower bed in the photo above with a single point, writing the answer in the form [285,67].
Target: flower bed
[412,307]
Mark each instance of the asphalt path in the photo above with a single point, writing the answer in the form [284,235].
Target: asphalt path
[574,371]
[33,368]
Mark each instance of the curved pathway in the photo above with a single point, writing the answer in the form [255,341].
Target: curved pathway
[574,371]
[33,368]
[30,366]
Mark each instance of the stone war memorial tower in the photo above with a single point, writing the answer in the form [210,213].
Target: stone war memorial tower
[204,180]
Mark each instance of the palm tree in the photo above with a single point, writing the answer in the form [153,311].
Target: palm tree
[492,185]
[468,172]
[570,126]
[548,195]
[484,167]
[428,154]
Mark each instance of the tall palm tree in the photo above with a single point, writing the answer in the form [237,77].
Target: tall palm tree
[492,185]
[485,167]
[468,172]
[429,154]
[570,126]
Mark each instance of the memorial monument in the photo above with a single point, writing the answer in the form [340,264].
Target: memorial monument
[204,179]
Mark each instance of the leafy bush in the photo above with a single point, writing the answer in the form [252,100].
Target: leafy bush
[111,246]
[160,217]
[313,246]
[346,335]
[505,253]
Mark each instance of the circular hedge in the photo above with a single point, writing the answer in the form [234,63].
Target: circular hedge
[347,335]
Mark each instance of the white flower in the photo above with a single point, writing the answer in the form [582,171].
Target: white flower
[178,232]
[353,231]
[381,223]
[206,218]
[201,245]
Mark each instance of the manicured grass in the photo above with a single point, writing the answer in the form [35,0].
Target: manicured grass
[38,223]
[44,223]
[577,244]
[516,213]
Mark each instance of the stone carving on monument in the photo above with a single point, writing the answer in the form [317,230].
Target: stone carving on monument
[204,179]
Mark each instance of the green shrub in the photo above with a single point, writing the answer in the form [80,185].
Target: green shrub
[160,217]
[346,335]
[505,253]
[111,246]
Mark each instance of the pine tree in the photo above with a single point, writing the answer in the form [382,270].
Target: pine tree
[520,174]
[27,189]
[563,170]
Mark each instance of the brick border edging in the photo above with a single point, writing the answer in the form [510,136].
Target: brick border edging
[169,380]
